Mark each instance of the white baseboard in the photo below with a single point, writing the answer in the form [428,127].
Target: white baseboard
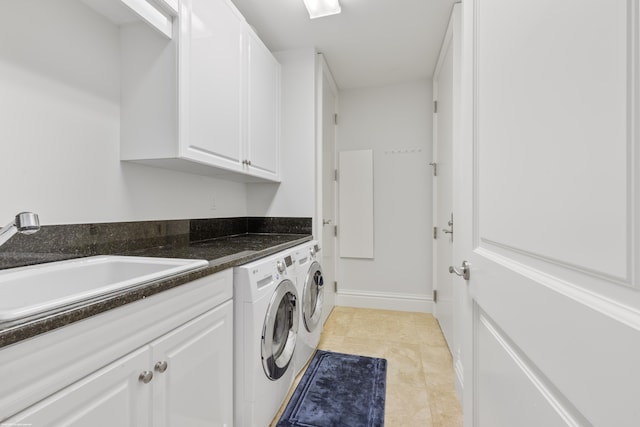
[385,301]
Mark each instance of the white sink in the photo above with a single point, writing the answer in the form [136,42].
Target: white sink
[41,289]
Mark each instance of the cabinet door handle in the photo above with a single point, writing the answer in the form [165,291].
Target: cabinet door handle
[146,377]
[161,366]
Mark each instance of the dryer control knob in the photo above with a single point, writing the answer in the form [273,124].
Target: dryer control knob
[312,251]
[281,267]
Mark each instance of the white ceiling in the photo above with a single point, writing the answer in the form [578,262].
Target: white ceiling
[371,43]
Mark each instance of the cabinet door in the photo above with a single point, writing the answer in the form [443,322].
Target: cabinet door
[211,64]
[263,110]
[196,388]
[112,396]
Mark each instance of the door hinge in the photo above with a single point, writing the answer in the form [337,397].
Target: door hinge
[335,286]
[335,119]
[435,232]
[435,295]
[435,168]
[335,230]
[335,175]
[435,106]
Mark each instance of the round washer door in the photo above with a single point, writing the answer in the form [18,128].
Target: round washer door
[280,330]
[312,297]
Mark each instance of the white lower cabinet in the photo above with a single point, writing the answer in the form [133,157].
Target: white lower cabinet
[183,378]
[196,388]
[112,396]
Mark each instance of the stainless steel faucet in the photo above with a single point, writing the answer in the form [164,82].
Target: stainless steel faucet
[25,223]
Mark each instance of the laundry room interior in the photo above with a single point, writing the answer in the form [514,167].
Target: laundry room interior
[262,213]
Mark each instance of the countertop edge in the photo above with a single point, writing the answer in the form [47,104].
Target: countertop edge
[17,332]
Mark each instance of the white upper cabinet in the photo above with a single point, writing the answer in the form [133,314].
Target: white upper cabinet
[206,101]
[211,83]
[263,130]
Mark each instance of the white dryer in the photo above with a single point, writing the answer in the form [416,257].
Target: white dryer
[310,286]
[266,319]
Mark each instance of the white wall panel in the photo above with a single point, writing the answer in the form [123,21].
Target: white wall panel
[355,187]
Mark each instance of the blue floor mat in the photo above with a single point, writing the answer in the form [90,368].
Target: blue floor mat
[338,390]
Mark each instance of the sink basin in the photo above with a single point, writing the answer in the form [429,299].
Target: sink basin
[41,289]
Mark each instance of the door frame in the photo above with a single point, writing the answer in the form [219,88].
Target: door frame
[452,38]
[446,43]
[322,72]
[464,365]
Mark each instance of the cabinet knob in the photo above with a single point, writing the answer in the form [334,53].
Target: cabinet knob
[248,162]
[161,366]
[146,377]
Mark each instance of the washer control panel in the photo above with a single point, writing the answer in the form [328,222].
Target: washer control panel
[283,264]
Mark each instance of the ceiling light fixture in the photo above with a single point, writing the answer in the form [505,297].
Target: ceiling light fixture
[320,8]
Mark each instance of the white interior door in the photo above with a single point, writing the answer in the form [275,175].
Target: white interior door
[550,205]
[443,221]
[328,191]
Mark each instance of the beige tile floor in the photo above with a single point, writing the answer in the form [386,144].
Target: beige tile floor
[420,388]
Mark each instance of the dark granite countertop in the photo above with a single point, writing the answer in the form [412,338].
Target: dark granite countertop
[222,253]
[228,251]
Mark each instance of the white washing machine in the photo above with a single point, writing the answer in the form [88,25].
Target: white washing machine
[266,322]
[310,286]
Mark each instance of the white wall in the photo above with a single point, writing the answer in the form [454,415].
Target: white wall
[295,196]
[396,123]
[59,132]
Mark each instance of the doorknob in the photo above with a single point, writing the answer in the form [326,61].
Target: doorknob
[326,221]
[464,272]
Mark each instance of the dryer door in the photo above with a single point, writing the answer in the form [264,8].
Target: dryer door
[312,297]
[280,330]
